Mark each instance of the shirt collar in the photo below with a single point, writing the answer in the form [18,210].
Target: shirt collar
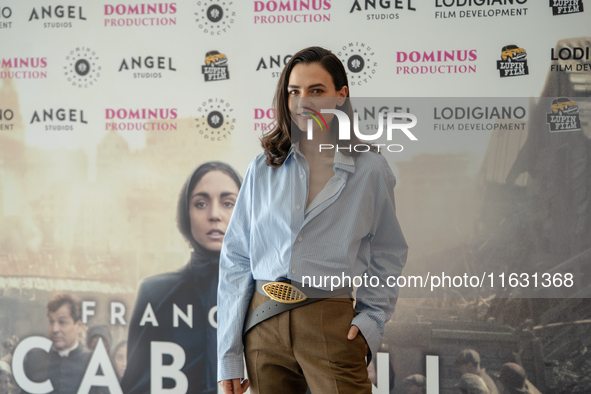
[341,160]
[66,352]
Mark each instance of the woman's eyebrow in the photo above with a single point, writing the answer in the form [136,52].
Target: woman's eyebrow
[226,194]
[200,194]
[316,85]
[309,87]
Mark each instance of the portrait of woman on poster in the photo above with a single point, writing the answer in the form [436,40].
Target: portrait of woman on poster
[119,359]
[303,212]
[204,208]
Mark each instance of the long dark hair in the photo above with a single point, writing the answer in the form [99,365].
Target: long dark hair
[183,220]
[277,142]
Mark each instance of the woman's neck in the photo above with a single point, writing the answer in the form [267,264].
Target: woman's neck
[311,149]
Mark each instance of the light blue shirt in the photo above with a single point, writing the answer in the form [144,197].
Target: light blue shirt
[350,228]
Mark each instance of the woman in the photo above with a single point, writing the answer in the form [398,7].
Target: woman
[305,212]
[119,359]
[204,208]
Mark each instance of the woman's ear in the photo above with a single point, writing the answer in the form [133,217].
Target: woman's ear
[342,95]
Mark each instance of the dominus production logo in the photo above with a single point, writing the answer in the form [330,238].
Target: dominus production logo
[291,11]
[215,17]
[216,119]
[216,67]
[359,61]
[563,115]
[513,62]
[565,7]
[82,67]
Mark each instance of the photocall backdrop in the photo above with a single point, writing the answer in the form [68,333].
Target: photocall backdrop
[106,108]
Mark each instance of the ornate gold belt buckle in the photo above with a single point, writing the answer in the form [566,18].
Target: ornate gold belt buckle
[284,292]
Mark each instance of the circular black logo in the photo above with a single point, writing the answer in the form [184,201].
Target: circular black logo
[215,13]
[215,119]
[82,67]
[358,59]
[214,16]
[355,63]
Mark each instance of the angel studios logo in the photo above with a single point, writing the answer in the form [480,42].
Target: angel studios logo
[513,62]
[565,7]
[274,64]
[215,17]
[383,10]
[216,119]
[359,61]
[563,115]
[59,119]
[82,67]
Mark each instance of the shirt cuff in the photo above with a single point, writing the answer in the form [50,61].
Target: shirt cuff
[231,368]
[371,333]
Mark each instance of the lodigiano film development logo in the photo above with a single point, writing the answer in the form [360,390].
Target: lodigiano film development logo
[216,119]
[563,115]
[570,58]
[5,14]
[6,119]
[315,117]
[452,9]
[359,61]
[513,62]
[215,17]
[82,68]
[565,7]
[216,67]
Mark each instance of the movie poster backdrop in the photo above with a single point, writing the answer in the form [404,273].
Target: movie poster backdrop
[108,111]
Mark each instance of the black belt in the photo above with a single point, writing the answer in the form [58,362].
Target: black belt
[286,299]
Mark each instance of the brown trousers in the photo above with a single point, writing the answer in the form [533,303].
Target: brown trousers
[307,347]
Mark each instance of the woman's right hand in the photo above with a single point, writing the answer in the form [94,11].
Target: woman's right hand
[233,386]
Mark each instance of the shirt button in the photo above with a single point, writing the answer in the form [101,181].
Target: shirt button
[301,176]
[298,207]
[299,238]
[293,271]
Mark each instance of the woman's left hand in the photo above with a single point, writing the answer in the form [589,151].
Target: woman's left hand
[353,331]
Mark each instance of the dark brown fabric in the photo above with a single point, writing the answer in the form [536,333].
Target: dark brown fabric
[307,346]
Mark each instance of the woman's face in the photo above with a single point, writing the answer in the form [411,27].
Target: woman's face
[210,207]
[121,360]
[311,86]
